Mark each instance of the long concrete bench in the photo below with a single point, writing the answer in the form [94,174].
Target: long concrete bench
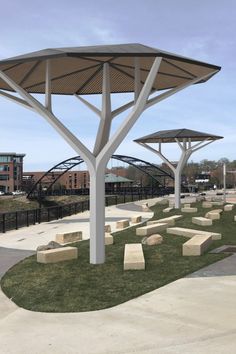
[196,245]
[201,221]
[213,216]
[170,220]
[133,257]
[187,205]
[207,204]
[189,210]
[57,255]
[181,231]
[121,224]
[136,219]
[234,217]
[167,210]
[228,207]
[68,237]
[151,229]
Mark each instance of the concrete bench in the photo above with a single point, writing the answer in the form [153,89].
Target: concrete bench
[187,205]
[207,204]
[189,210]
[136,219]
[107,228]
[196,245]
[68,237]
[181,231]
[108,239]
[228,207]
[201,221]
[170,220]
[234,217]
[151,229]
[212,215]
[57,255]
[167,210]
[122,224]
[133,257]
[217,203]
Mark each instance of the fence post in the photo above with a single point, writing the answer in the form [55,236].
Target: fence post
[27,217]
[4,223]
[16,220]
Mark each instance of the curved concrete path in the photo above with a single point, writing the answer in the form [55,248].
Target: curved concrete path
[196,315]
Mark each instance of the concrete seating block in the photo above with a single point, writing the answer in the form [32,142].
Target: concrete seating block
[152,240]
[213,216]
[68,237]
[167,210]
[234,217]
[207,204]
[201,221]
[108,239]
[57,255]
[228,207]
[151,229]
[133,257]
[170,220]
[121,224]
[181,231]
[217,203]
[196,245]
[107,228]
[189,210]
[187,205]
[136,219]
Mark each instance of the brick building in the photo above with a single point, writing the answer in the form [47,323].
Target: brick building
[11,171]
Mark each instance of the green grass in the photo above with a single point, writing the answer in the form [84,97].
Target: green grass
[76,285]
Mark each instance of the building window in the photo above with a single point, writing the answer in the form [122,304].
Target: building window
[4,177]
[5,158]
[4,168]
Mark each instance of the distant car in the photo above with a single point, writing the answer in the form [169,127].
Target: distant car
[2,193]
[17,192]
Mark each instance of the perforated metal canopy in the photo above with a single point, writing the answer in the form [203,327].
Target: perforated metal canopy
[170,136]
[78,70]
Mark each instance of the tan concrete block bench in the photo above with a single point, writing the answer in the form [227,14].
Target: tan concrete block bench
[67,237]
[151,229]
[207,204]
[181,231]
[136,219]
[234,217]
[167,210]
[121,224]
[217,203]
[189,210]
[107,228]
[133,257]
[187,205]
[170,220]
[212,215]
[228,207]
[108,239]
[201,221]
[196,245]
[57,255]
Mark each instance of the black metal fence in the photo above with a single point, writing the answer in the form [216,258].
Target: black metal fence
[15,220]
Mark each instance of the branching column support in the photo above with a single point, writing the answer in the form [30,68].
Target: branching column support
[104,144]
[186,151]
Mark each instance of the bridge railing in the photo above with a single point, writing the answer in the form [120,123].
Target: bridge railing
[24,218]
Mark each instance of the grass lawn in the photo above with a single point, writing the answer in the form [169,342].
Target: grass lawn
[76,285]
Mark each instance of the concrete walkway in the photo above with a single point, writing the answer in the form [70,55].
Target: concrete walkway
[196,315]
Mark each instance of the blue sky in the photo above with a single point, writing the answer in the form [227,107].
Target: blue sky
[204,30]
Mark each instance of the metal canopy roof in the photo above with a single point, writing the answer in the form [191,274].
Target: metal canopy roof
[78,70]
[170,136]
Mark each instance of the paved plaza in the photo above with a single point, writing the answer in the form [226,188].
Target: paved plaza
[196,314]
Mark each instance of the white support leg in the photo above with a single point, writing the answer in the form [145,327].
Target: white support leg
[97,215]
[177,189]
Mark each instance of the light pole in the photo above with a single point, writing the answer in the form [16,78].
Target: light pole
[224,181]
